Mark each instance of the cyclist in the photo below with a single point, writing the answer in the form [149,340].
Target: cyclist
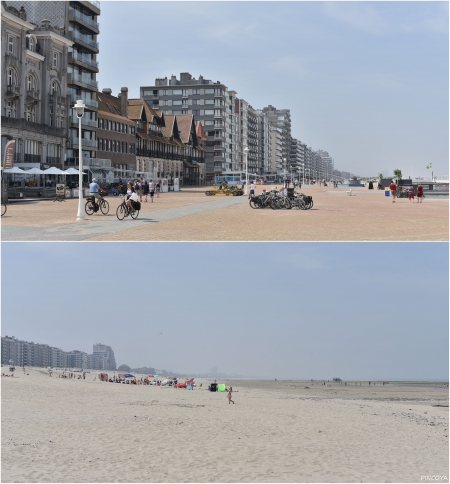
[131,196]
[94,190]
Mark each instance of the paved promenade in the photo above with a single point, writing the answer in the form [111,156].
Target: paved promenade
[190,215]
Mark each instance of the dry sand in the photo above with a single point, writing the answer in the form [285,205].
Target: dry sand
[57,430]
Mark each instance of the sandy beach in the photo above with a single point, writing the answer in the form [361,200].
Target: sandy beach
[59,430]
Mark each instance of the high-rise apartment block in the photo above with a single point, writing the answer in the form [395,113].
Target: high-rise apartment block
[281,119]
[211,103]
[25,353]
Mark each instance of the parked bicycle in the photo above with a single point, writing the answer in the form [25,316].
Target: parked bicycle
[123,210]
[92,206]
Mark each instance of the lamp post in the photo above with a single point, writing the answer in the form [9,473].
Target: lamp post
[79,108]
[246,169]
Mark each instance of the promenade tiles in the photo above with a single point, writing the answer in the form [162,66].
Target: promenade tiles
[190,215]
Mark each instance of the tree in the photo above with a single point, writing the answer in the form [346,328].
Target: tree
[398,173]
[124,368]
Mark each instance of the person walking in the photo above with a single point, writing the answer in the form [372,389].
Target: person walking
[393,188]
[151,189]
[252,190]
[158,188]
[145,190]
[419,193]
[229,394]
[411,194]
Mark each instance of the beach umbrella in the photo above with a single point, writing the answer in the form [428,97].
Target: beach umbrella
[53,171]
[14,170]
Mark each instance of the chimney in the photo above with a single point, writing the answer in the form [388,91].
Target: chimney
[124,101]
[107,90]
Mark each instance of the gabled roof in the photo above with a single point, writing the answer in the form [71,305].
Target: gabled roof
[140,108]
[110,105]
[187,128]
[168,129]
[200,131]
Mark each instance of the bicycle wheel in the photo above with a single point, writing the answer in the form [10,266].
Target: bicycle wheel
[252,203]
[89,207]
[3,209]
[104,206]
[121,211]
[134,214]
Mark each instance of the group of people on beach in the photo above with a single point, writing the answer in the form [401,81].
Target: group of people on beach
[145,188]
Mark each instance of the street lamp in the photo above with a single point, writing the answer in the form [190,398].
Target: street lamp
[79,108]
[246,169]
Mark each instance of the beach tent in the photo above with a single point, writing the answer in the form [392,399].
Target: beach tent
[221,387]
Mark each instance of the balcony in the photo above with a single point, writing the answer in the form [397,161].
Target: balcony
[12,91]
[84,40]
[92,5]
[54,98]
[32,96]
[89,143]
[84,20]
[82,81]
[83,61]
[90,103]
[84,121]
[23,124]
[219,158]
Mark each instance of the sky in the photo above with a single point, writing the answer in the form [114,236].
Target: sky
[271,310]
[365,81]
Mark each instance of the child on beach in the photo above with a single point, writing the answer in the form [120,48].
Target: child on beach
[229,395]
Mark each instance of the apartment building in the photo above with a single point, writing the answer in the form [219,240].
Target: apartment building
[105,354]
[298,159]
[116,139]
[264,142]
[241,133]
[327,164]
[276,150]
[35,108]
[74,66]
[25,353]
[281,119]
[209,102]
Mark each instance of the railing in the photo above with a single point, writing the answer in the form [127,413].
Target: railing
[84,38]
[32,95]
[55,98]
[27,158]
[83,58]
[85,80]
[99,162]
[84,121]
[84,142]
[12,89]
[88,102]
[84,18]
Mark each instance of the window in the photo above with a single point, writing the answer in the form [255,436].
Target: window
[31,45]
[167,92]
[176,103]
[177,92]
[209,91]
[31,113]
[209,101]
[11,109]
[100,144]
[185,92]
[195,91]
[209,112]
[196,101]
[208,123]
[109,107]
[132,130]
[30,83]
[55,88]
[132,149]
[118,110]
[124,147]
[55,59]
[196,112]
[11,77]
[98,97]
[11,44]
[184,111]
[114,145]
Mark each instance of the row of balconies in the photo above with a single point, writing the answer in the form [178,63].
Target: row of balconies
[84,20]
[85,40]
[83,60]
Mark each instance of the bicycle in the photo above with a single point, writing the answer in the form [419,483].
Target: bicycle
[4,208]
[123,210]
[92,207]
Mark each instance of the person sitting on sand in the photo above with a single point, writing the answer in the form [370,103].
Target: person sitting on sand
[230,390]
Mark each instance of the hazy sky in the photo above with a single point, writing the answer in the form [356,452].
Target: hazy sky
[366,81]
[274,310]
